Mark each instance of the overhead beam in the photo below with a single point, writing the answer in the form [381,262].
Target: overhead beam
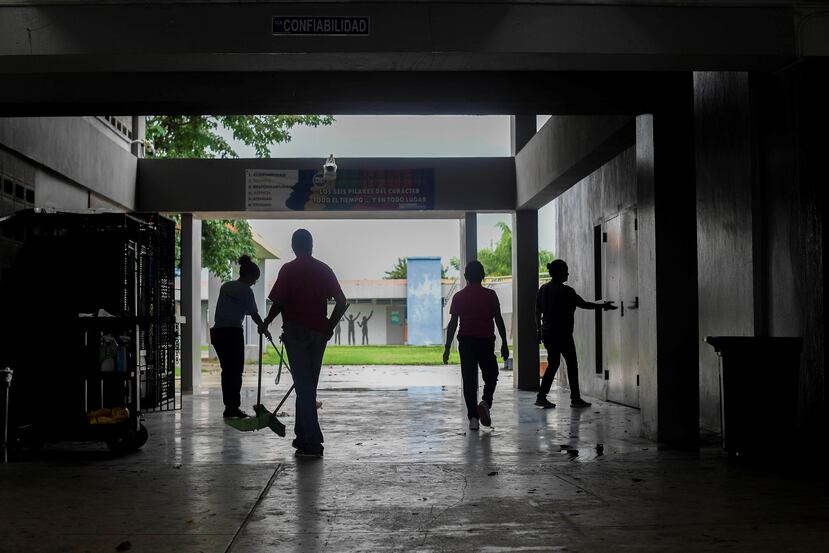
[564,151]
[217,186]
[340,92]
[404,36]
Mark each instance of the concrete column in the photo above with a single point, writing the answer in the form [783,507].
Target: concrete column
[252,334]
[259,289]
[521,130]
[190,302]
[524,289]
[214,283]
[139,127]
[469,240]
[665,179]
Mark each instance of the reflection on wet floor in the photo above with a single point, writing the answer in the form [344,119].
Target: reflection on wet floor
[414,414]
[402,472]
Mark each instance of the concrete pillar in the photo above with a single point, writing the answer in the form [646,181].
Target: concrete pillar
[521,129]
[665,179]
[259,290]
[139,127]
[214,283]
[251,331]
[469,240]
[524,289]
[190,302]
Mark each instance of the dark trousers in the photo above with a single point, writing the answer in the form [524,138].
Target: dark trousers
[477,352]
[229,344]
[305,349]
[559,346]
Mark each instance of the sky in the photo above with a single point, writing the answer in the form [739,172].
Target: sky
[366,249]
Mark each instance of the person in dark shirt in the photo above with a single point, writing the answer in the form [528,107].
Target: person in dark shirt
[235,301]
[477,307]
[301,293]
[555,306]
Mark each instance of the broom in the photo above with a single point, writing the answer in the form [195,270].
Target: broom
[263,418]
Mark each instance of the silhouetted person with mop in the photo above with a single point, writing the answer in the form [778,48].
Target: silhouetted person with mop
[364,327]
[555,307]
[235,302]
[477,307]
[301,293]
[352,341]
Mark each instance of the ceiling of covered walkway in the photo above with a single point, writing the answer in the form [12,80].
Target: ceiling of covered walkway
[68,58]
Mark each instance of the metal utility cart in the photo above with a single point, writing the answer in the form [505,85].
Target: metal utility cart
[90,328]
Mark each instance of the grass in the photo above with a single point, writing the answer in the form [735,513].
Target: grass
[378,355]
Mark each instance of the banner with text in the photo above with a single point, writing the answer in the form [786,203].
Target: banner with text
[350,190]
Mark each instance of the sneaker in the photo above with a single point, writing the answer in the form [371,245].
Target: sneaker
[483,414]
[579,403]
[234,414]
[473,424]
[304,453]
[542,402]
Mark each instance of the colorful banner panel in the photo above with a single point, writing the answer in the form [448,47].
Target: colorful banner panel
[350,190]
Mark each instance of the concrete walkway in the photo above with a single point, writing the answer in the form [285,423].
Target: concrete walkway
[403,473]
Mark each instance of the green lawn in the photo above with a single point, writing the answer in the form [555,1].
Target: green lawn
[378,355]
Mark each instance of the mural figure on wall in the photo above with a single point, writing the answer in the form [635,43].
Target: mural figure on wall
[351,340]
[364,325]
[338,332]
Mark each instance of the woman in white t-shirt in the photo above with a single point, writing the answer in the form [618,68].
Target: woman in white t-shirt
[235,302]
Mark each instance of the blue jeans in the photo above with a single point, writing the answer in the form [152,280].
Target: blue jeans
[305,348]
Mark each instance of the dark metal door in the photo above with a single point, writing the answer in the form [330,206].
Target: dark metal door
[621,286]
[611,323]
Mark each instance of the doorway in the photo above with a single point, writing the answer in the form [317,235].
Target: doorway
[620,327]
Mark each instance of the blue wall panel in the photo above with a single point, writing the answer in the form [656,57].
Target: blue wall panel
[425,312]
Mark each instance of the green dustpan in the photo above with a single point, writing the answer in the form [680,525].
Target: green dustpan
[262,419]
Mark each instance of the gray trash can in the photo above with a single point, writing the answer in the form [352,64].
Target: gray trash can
[759,379]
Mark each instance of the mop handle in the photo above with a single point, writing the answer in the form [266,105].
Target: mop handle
[259,385]
[281,362]
[280,353]
[284,399]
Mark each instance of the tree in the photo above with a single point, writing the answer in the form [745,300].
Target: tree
[223,242]
[498,261]
[400,270]
[197,136]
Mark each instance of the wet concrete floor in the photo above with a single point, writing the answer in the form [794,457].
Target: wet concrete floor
[403,473]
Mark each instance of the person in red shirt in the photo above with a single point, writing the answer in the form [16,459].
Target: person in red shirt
[301,293]
[477,307]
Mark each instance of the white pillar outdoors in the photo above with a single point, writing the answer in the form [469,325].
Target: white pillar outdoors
[190,302]
[214,283]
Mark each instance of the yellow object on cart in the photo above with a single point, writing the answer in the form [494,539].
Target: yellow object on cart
[115,415]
